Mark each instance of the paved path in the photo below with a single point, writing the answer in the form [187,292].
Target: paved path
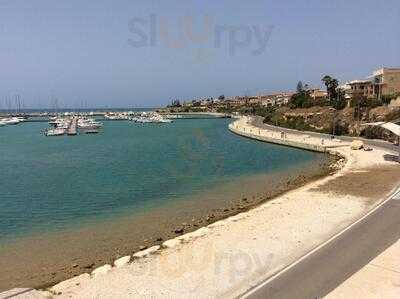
[371,142]
[325,269]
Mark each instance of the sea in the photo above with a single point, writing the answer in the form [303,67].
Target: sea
[50,184]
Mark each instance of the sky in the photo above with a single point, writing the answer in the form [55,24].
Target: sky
[131,53]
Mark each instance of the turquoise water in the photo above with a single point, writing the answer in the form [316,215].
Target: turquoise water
[50,183]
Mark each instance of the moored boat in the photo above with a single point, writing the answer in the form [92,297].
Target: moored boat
[55,132]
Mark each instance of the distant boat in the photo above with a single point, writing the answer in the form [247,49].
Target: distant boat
[151,117]
[89,123]
[54,132]
[12,121]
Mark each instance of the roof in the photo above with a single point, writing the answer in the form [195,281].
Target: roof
[359,82]
[387,69]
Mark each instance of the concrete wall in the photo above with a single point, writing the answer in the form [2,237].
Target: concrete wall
[254,133]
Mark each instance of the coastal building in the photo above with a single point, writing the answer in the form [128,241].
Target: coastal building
[317,93]
[383,82]
[275,99]
[386,81]
[363,88]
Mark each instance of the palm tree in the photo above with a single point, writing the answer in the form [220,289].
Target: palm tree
[331,87]
[327,81]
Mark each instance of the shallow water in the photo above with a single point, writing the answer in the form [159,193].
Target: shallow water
[57,183]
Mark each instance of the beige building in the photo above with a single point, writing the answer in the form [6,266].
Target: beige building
[317,93]
[385,81]
[364,88]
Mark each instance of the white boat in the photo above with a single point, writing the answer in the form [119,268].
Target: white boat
[89,123]
[116,116]
[12,121]
[151,117]
[54,132]
[2,123]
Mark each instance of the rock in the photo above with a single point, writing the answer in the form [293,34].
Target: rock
[70,283]
[101,270]
[75,265]
[122,261]
[171,243]
[356,145]
[142,247]
[179,230]
[146,252]
[159,239]
[89,266]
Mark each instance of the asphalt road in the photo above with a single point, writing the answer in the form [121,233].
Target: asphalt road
[325,269]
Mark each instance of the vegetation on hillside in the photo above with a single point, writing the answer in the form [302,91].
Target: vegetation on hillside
[333,114]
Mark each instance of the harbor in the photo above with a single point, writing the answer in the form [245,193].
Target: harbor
[107,115]
[71,123]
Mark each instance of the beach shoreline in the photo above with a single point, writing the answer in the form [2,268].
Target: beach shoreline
[86,248]
[330,208]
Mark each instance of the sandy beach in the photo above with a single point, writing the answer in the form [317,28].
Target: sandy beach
[226,258]
[82,249]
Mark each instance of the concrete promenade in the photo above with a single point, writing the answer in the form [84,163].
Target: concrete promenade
[245,128]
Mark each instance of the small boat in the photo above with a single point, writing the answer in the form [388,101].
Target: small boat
[12,121]
[151,117]
[89,124]
[54,132]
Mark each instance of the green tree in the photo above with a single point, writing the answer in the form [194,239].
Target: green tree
[300,88]
[302,98]
[331,87]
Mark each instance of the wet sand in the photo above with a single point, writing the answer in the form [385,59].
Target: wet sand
[44,260]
